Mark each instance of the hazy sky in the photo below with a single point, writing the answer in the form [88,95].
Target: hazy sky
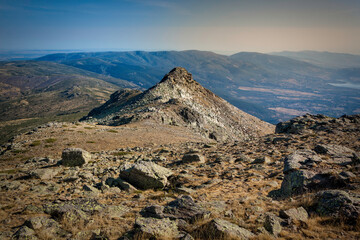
[216,25]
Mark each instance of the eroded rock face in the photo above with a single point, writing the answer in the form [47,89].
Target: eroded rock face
[72,157]
[146,175]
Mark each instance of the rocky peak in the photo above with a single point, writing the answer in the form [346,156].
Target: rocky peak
[178,75]
[181,101]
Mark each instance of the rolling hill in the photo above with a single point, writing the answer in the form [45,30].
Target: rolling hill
[34,91]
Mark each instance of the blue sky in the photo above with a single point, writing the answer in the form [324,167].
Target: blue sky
[221,26]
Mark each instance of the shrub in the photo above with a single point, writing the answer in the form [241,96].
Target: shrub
[35,143]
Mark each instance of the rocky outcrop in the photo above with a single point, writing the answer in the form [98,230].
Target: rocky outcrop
[72,157]
[179,100]
[145,175]
[313,123]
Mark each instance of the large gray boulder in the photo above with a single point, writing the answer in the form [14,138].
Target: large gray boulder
[222,229]
[72,157]
[145,175]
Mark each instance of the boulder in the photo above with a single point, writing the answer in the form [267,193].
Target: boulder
[338,204]
[186,209]
[118,182]
[75,157]
[297,214]
[145,175]
[262,160]
[221,229]
[193,157]
[153,228]
[183,209]
[25,232]
[46,226]
[41,222]
[272,224]
[44,173]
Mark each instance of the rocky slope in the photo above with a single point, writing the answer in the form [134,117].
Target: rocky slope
[179,100]
[299,183]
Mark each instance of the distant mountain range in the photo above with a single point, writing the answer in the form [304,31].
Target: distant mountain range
[270,87]
[324,59]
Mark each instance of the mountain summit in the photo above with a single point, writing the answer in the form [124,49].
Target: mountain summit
[179,100]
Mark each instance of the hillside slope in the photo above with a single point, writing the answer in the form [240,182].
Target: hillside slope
[36,92]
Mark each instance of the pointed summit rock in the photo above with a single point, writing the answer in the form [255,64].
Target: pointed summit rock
[179,100]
